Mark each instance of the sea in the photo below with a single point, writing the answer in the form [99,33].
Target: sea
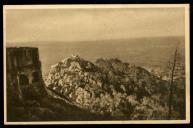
[149,52]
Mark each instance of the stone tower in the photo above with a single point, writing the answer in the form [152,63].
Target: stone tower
[23,74]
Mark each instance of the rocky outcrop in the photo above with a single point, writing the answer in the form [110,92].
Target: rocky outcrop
[109,87]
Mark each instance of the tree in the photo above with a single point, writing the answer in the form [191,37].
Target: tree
[176,70]
[171,85]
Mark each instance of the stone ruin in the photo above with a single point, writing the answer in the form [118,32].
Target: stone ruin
[23,75]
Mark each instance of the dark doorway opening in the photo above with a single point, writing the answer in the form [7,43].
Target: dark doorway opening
[35,77]
[23,80]
[24,85]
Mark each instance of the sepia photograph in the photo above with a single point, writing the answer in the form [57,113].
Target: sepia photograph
[96,64]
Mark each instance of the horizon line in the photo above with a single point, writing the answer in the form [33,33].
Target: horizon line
[71,41]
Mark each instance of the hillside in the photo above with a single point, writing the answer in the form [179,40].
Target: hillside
[78,89]
[110,87]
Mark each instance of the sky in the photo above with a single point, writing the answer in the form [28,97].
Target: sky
[31,25]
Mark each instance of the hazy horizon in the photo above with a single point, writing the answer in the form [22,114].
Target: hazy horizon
[141,52]
[52,41]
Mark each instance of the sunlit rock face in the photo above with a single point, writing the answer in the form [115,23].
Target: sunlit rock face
[109,87]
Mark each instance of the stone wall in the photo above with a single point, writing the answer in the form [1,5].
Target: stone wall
[24,76]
